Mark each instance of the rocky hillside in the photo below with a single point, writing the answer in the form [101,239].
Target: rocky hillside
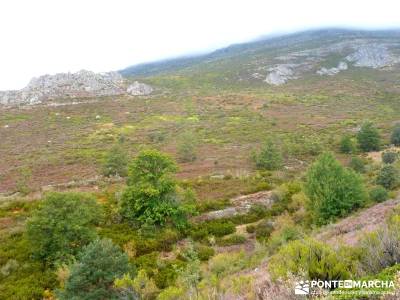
[73,85]
[278,60]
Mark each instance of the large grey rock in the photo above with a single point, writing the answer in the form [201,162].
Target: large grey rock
[139,89]
[280,74]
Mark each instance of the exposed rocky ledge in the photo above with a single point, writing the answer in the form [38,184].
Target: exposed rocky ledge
[82,84]
[362,54]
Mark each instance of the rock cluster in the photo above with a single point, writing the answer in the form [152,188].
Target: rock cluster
[82,84]
[333,71]
[139,89]
[362,54]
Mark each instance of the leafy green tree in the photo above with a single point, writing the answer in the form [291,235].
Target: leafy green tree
[151,195]
[116,162]
[333,191]
[369,138]
[395,137]
[346,144]
[388,177]
[92,275]
[63,224]
[269,157]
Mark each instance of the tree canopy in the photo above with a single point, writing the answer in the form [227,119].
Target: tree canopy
[92,276]
[62,224]
[333,190]
[151,197]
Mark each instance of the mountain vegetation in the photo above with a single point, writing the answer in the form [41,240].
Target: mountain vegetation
[229,175]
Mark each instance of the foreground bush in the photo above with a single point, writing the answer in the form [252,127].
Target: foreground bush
[333,191]
[62,225]
[93,274]
[381,249]
[315,259]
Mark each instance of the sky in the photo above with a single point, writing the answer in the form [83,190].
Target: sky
[50,36]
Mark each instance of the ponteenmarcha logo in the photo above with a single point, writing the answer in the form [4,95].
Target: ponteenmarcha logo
[307,287]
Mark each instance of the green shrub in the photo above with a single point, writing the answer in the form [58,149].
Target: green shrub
[357,164]
[62,225]
[233,239]
[263,230]
[346,144]
[210,205]
[116,162]
[388,177]
[216,228]
[369,138]
[395,137]
[381,249]
[204,252]
[333,191]
[317,260]
[378,194]
[389,157]
[269,157]
[187,148]
[251,228]
[93,275]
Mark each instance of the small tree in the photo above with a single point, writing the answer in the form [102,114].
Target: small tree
[62,225]
[269,157]
[333,191]
[388,177]
[150,197]
[368,138]
[395,137]
[93,274]
[115,163]
[346,144]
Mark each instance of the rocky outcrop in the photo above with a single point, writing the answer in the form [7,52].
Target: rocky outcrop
[333,71]
[280,74]
[139,89]
[372,56]
[239,206]
[363,53]
[82,84]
